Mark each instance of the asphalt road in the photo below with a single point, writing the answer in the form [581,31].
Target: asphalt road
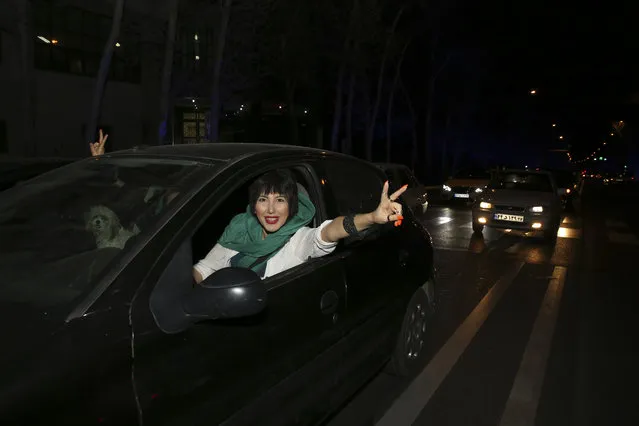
[525,333]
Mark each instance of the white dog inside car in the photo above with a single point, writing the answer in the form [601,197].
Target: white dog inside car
[106,228]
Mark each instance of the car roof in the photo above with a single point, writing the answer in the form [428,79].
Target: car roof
[221,151]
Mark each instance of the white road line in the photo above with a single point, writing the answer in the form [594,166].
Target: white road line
[521,407]
[410,403]
[441,220]
[623,238]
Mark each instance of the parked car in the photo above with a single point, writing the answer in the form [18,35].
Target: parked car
[467,185]
[416,196]
[16,170]
[121,335]
[521,200]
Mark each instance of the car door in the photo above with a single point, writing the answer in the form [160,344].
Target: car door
[265,369]
[375,273]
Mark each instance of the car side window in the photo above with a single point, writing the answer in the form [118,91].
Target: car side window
[350,187]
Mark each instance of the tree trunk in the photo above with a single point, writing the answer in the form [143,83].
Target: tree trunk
[337,113]
[220,42]
[370,131]
[391,99]
[444,161]
[339,89]
[103,72]
[26,58]
[349,115]
[431,107]
[292,116]
[413,116]
[428,126]
[167,70]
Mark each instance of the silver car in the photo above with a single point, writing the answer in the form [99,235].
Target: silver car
[520,200]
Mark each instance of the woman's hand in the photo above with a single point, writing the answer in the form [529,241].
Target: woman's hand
[389,210]
[97,148]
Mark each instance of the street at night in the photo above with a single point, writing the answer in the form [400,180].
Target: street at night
[318,213]
[526,333]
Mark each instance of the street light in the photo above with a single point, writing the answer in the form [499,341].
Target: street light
[561,137]
[554,125]
[533,92]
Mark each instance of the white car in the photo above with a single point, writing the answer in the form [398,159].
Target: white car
[521,200]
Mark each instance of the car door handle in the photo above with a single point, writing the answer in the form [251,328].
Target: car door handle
[329,302]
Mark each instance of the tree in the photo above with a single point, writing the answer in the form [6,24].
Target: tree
[26,35]
[370,131]
[220,41]
[391,99]
[341,74]
[105,64]
[167,68]
[437,66]
[413,116]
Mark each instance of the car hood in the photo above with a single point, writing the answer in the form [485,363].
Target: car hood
[471,182]
[40,354]
[518,198]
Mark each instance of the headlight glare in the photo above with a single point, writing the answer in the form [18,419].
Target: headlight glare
[537,209]
[485,205]
[446,188]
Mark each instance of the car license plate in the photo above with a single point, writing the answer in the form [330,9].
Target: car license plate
[509,217]
[462,196]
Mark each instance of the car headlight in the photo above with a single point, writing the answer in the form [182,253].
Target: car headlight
[537,209]
[485,205]
[479,190]
[446,188]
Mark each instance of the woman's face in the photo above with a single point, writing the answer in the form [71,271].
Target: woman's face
[272,211]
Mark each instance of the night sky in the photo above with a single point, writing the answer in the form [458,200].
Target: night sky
[582,61]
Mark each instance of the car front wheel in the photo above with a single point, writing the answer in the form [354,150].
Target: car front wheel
[409,353]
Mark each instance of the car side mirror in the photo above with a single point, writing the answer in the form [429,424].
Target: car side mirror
[227,293]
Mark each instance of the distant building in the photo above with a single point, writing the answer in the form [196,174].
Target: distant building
[68,40]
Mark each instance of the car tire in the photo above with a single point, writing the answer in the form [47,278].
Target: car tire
[478,228]
[408,356]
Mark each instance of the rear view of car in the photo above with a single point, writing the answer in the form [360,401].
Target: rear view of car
[520,200]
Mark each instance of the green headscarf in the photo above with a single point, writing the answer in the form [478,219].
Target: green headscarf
[244,235]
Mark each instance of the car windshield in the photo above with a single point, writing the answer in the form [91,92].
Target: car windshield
[62,230]
[521,181]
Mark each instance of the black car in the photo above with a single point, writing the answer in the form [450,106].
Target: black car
[416,196]
[103,322]
[15,171]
